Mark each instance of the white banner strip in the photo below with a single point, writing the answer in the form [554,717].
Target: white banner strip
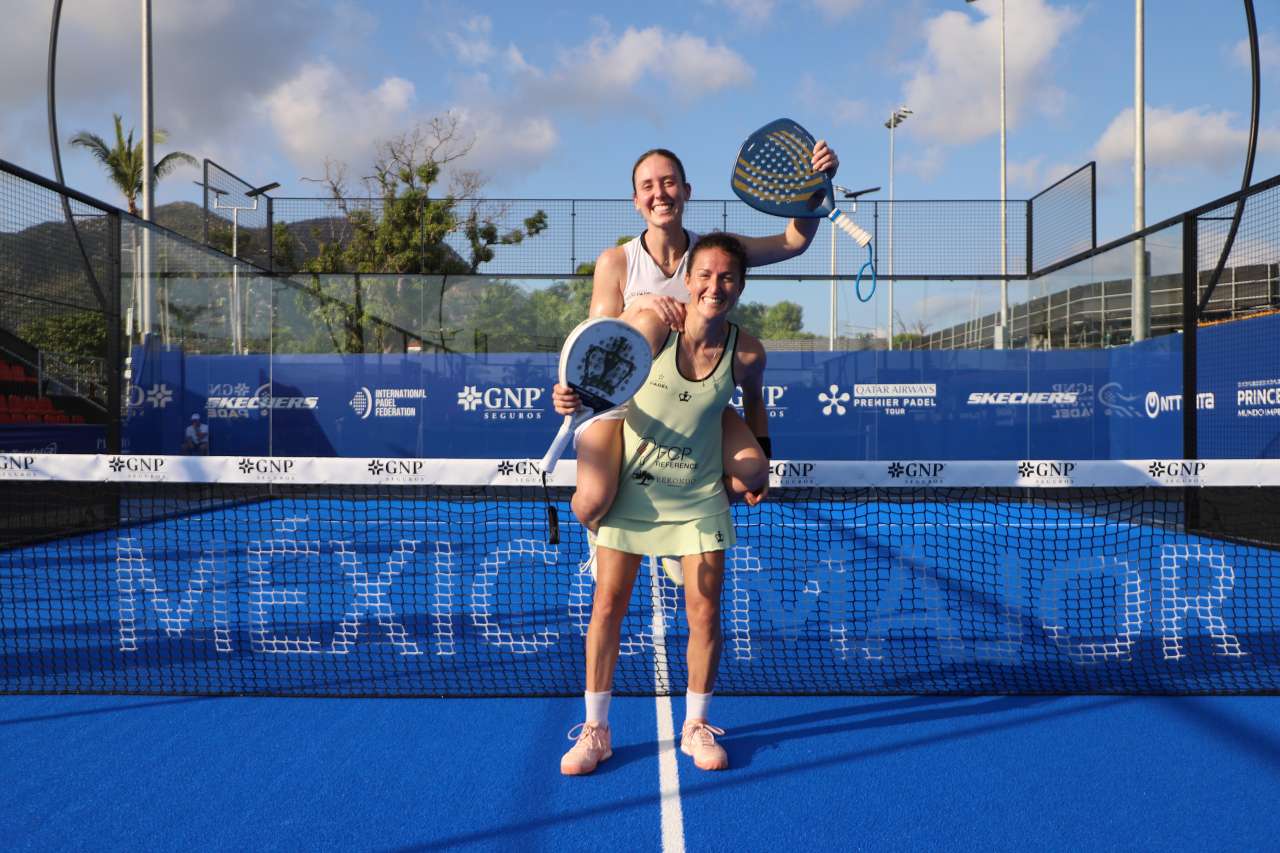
[524,472]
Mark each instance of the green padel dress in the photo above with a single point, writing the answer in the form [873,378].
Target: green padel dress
[671,498]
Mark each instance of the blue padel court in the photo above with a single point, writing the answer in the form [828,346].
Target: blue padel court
[886,773]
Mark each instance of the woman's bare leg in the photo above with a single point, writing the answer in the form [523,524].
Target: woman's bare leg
[704,577]
[615,578]
[599,463]
[746,470]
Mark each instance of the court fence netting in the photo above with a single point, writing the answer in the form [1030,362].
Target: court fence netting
[374,577]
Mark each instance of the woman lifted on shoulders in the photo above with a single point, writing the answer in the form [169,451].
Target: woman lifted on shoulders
[648,274]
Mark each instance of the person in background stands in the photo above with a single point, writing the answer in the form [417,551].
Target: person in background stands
[196,439]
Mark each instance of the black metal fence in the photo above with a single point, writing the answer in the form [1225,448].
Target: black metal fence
[1062,220]
[59,294]
[234,220]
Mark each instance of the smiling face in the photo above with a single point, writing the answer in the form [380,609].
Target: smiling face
[660,192]
[715,282]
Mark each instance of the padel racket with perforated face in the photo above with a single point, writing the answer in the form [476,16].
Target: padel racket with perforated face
[606,361]
[774,174]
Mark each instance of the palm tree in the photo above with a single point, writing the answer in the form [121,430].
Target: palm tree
[123,163]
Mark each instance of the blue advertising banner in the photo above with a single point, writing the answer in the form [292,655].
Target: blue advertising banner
[1239,367]
[1119,402]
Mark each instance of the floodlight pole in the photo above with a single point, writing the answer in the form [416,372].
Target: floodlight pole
[1141,314]
[896,118]
[148,169]
[1002,336]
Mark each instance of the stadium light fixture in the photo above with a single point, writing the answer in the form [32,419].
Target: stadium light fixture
[237,324]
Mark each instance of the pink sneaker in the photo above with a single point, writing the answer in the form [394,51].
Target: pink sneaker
[591,748]
[698,741]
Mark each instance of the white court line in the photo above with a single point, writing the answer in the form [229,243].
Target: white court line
[668,770]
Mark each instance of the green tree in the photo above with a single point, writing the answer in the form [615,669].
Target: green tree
[782,320]
[123,162]
[74,334]
[401,237]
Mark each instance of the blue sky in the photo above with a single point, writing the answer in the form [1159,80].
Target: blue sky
[561,97]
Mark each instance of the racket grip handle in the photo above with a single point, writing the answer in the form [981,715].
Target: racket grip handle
[563,437]
[847,226]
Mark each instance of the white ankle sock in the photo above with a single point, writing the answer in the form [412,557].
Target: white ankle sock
[598,707]
[697,706]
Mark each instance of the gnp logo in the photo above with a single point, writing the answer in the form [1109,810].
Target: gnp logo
[772,394]
[917,473]
[157,397]
[503,404]
[16,463]
[520,468]
[793,473]
[398,470]
[17,466]
[262,401]
[273,469]
[138,467]
[1046,469]
[1178,472]
[1048,473]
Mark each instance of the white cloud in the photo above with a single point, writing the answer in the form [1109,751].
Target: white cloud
[1194,139]
[321,113]
[1268,53]
[1035,175]
[608,66]
[211,72]
[819,99]
[756,12]
[955,88]
[472,46]
[514,113]
[927,165]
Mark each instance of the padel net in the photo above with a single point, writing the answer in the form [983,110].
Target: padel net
[417,577]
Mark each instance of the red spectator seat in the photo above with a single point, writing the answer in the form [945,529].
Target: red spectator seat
[61,418]
[15,403]
[5,374]
[76,419]
[4,417]
[44,405]
[33,419]
[50,419]
[29,403]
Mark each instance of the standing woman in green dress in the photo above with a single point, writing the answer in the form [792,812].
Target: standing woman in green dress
[671,497]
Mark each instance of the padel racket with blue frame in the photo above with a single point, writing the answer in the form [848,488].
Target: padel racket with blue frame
[774,174]
[606,361]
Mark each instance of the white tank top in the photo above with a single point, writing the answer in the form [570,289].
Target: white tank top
[645,276]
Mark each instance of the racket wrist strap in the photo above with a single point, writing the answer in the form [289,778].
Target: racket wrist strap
[766,445]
